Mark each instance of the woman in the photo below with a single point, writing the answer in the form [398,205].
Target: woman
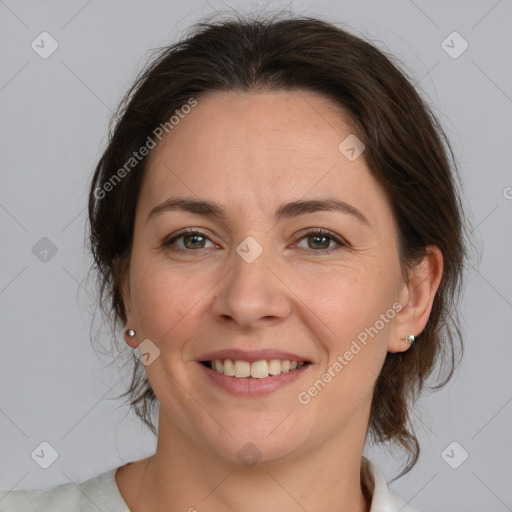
[277,230]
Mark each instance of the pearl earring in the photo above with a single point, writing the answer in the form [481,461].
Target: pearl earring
[409,339]
[130,333]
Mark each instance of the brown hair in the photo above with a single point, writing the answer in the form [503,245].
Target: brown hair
[407,151]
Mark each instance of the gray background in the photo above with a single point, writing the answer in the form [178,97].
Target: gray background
[54,115]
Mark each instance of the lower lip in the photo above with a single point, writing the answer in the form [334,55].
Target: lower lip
[250,386]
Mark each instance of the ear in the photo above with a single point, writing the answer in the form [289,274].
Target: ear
[416,297]
[130,321]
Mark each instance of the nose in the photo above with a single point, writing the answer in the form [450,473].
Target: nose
[252,294]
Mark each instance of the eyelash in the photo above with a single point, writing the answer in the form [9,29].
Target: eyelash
[190,232]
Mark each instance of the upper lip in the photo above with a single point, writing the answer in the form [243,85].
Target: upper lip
[252,355]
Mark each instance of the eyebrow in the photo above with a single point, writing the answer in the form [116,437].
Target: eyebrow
[285,211]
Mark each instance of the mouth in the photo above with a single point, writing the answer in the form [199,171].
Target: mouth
[262,369]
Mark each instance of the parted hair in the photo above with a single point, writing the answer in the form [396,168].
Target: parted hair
[406,150]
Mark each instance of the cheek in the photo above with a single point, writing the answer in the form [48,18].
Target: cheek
[162,298]
[346,302]
[354,346]
[355,313]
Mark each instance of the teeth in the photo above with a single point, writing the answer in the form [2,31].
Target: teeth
[242,369]
[256,370]
[229,368]
[274,367]
[259,369]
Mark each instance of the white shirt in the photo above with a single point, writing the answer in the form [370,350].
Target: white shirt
[101,493]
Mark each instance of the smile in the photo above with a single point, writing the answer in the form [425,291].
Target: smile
[263,369]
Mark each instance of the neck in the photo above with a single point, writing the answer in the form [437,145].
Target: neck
[191,478]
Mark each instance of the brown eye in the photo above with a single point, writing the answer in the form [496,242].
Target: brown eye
[320,240]
[187,241]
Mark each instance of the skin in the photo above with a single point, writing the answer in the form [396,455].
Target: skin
[250,153]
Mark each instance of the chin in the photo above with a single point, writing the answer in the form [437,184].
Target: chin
[257,444]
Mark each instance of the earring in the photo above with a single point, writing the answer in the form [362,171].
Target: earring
[130,333]
[409,339]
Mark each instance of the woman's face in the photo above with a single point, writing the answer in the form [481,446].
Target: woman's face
[257,282]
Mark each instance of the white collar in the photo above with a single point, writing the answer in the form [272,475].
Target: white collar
[383,498]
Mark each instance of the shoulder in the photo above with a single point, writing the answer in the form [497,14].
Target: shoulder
[99,492]
[383,498]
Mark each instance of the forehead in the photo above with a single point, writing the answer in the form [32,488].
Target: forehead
[256,150]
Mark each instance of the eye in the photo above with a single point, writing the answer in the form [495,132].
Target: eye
[192,239]
[319,240]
